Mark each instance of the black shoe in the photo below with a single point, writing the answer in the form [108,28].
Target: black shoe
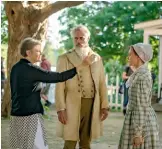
[124,111]
[48,103]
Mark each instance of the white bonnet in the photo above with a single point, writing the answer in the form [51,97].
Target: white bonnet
[144,51]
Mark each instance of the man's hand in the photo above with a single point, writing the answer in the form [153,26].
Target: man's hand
[103,114]
[62,116]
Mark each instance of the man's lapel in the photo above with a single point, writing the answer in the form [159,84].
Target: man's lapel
[74,58]
[93,68]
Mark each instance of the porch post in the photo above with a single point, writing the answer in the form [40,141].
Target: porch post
[146,37]
[160,68]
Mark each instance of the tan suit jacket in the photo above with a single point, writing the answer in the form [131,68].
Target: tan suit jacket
[68,96]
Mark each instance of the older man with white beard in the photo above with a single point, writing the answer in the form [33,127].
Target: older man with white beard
[81,102]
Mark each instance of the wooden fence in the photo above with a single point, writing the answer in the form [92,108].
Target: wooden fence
[115,99]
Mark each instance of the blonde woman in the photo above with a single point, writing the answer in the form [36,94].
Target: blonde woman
[26,127]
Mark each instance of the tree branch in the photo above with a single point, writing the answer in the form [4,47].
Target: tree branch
[44,13]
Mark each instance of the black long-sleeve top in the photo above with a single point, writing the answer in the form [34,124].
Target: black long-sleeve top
[25,81]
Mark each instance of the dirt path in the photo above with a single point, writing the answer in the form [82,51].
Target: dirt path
[112,128]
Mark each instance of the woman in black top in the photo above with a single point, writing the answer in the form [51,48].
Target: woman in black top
[128,71]
[27,128]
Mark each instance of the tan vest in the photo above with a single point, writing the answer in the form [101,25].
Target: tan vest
[86,83]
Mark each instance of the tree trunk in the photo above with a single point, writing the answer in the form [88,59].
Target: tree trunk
[26,20]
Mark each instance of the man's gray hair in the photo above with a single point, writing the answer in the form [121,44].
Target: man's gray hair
[78,27]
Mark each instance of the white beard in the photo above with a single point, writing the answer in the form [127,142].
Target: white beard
[82,52]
